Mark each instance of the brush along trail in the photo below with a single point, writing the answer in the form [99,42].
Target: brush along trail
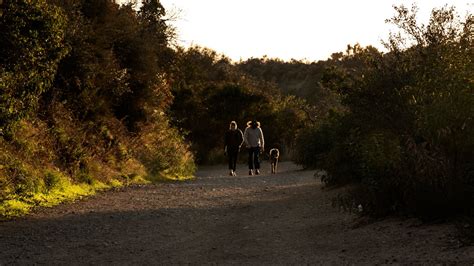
[267,219]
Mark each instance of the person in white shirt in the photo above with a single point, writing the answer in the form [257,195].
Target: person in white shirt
[255,143]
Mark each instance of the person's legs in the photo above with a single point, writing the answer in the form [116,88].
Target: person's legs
[250,161]
[234,155]
[230,159]
[256,160]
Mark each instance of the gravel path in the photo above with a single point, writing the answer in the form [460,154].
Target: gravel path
[218,219]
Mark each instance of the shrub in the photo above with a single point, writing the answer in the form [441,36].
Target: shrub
[406,140]
[163,151]
[51,180]
[332,146]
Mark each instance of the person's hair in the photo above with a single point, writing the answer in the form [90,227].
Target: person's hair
[253,122]
[232,123]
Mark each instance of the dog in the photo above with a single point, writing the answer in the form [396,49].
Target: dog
[321,175]
[274,155]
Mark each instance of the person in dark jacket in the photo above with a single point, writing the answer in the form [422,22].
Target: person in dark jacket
[233,141]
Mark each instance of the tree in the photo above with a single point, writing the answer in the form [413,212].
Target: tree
[32,41]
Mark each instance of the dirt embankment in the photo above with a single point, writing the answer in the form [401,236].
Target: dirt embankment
[218,219]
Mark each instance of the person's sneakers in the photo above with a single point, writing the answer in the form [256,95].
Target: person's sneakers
[257,172]
[250,172]
[235,174]
[231,173]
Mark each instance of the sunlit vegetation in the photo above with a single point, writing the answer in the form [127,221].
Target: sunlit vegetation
[83,93]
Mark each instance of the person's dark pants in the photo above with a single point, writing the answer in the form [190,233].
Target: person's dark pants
[232,155]
[254,161]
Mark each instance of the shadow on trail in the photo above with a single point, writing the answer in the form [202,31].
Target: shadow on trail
[217,219]
[235,233]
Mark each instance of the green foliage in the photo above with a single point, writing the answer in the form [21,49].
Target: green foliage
[59,189]
[163,151]
[52,180]
[16,177]
[332,146]
[84,177]
[407,140]
[315,142]
[32,45]
[113,83]
[81,86]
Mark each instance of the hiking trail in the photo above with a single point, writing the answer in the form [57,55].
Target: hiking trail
[267,219]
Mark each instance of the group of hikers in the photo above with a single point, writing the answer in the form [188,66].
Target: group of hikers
[253,140]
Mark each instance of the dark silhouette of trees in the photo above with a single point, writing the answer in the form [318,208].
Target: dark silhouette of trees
[405,137]
[210,91]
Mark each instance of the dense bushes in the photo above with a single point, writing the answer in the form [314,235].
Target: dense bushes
[406,138]
[83,97]
[163,151]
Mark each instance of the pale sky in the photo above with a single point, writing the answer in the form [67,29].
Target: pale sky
[300,29]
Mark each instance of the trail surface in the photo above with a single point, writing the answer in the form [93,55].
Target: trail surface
[217,219]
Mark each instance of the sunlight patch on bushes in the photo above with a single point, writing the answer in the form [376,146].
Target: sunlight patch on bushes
[59,191]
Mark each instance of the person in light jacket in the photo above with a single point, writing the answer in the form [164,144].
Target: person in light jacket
[255,143]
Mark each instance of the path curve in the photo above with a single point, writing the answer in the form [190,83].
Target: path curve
[218,219]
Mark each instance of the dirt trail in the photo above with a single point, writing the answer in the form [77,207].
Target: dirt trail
[217,219]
